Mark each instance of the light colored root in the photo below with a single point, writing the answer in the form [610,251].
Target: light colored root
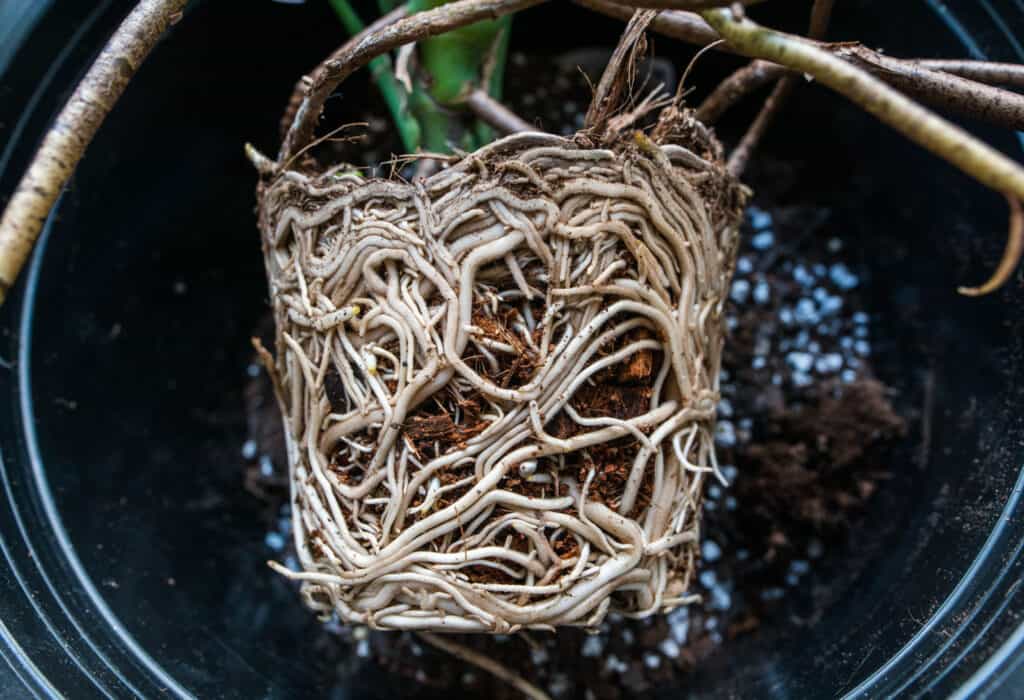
[76,125]
[485,663]
[1011,255]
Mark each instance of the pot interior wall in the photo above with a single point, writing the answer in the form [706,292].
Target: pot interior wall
[131,342]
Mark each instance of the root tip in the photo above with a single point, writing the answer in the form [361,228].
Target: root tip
[263,165]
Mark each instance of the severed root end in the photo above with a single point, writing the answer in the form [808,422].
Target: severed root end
[264,165]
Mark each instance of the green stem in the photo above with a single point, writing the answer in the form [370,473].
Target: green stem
[435,122]
[496,79]
[391,90]
[453,64]
[457,63]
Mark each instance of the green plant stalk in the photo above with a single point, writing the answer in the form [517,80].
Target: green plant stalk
[435,123]
[455,64]
[496,80]
[391,90]
[455,60]
[451,66]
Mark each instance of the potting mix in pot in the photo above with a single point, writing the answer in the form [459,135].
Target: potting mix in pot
[562,412]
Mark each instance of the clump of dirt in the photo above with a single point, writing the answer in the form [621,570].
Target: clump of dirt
[811,468]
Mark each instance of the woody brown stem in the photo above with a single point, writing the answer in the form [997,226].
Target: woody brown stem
[951,93]
[684,26]
[988,72]
[954,91]
[75,127]
[617,73]
[917,123]
[742,82]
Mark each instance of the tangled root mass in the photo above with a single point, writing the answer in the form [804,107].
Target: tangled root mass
[499,382]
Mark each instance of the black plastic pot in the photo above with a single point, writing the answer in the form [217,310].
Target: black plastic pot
[133,562]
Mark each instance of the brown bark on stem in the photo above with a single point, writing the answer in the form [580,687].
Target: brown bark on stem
[299,92]
[946,91]
[746,80]
[1011,74]
[685,26]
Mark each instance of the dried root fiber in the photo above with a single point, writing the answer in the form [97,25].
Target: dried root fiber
[499,382]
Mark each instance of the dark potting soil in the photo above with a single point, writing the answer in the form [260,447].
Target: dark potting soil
[805,438]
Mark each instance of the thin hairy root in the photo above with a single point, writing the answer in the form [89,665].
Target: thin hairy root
[495,114]
[740,155]
[352,56]
[485,663]
[1011,256]
[74,129]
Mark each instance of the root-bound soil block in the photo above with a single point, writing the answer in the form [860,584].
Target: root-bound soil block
[499,382]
